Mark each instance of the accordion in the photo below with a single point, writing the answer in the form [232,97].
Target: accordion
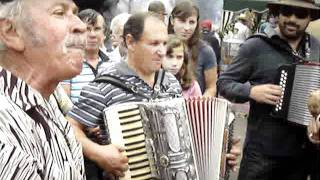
[297,81]
[176,139]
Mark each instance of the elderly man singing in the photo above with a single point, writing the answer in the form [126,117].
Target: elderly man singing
[41,44]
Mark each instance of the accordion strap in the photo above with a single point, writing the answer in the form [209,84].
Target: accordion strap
[278,46]
[116,81]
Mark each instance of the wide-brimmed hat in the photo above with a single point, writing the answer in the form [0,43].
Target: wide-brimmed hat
[307,4]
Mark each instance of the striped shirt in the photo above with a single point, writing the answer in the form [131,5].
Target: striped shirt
[87,75]
[95,97]
[36,142]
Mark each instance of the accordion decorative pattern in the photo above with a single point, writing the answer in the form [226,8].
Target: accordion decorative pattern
[175,139]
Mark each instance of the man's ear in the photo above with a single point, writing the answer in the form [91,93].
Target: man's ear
[130,42]
[9,35]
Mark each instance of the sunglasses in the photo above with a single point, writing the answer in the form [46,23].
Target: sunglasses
[300,13]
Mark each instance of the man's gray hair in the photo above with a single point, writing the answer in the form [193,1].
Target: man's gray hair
[10,10]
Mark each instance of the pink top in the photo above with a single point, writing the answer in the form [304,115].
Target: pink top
[193,91]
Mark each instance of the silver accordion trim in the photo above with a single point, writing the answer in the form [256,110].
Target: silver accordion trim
[297,82]
[175,139]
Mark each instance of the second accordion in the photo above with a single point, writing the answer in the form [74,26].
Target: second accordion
[175,139]
[297,82]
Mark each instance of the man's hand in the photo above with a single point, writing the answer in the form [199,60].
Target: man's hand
[232,157]
[314,130]
[266,93]
[112,160]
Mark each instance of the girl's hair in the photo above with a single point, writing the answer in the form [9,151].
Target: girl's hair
[185,75]
[183,10]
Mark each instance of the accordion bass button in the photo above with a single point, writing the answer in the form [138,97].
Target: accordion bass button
[164,161]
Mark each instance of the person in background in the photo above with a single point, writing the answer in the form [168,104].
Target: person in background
[158,8]
[314,108]
[93,56]
[274,148]
[241,28]
[272,23]
[119,51]
[177,63]
[41,44]
[184,22]
[208,35]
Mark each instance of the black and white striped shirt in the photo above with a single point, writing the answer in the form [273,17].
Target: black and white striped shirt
[95,97]
[36,141]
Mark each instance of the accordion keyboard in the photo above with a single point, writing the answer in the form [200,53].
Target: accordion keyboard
[134,140]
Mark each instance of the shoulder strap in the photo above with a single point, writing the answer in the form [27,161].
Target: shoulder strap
[276,45]
[158,82]
[120,84]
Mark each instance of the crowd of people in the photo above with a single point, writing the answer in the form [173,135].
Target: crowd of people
[52,98]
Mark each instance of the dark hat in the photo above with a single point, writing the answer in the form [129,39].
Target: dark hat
[307,4]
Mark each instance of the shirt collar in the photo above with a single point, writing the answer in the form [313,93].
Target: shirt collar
[121,68]
[18,90]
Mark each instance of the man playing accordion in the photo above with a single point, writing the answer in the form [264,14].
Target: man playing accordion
[274,147]
[139,78]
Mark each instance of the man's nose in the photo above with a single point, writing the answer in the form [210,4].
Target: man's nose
[162,50]
[77,25]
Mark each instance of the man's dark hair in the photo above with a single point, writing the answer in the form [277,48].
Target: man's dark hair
[135,25]
[90,16]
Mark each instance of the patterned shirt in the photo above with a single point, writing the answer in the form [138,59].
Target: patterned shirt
[36,141]
[88,73]
[95,97]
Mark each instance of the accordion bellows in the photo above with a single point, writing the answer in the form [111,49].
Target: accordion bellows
[297,82]
[172,139]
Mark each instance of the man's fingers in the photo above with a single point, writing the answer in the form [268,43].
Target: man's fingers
[120,148]
[271,102]
[231,157]
[273,98]
[125,168]
[118,173]
[236,140]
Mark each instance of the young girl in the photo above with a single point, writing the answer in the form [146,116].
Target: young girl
[177,63]
[184,22]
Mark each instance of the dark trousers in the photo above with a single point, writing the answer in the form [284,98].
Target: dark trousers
[257,166]
[314,155]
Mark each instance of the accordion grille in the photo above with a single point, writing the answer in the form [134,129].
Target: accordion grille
[307,79]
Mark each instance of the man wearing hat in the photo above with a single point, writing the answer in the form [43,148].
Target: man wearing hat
[274,148]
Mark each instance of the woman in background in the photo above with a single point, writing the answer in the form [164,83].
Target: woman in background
[184,23]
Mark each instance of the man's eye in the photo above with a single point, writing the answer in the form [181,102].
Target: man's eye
[155,43]
[59,12]
[170,56]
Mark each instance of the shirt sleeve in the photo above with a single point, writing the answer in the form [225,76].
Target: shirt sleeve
[232,84]
[17,164]
[207,57]
[89,109]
